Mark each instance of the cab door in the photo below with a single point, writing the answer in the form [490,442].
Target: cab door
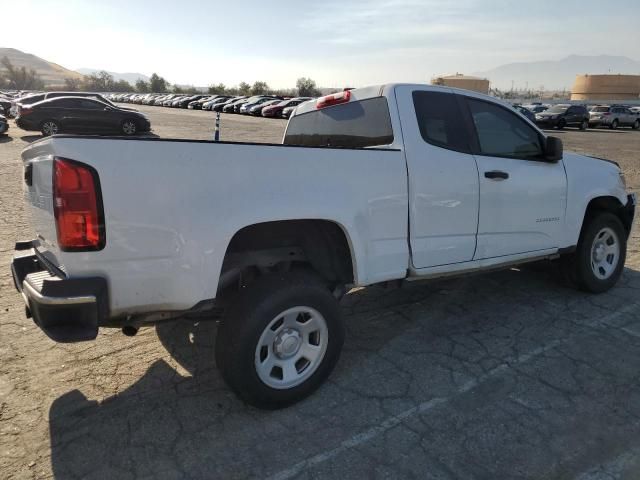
[443,177]
[522,196]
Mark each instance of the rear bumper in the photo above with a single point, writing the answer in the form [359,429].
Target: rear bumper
[66,309]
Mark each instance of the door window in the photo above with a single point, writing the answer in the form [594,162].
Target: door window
[501,133]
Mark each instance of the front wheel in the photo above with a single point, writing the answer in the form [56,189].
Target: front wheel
[561,124]
[129,127]
[636,125]
[614,125]
[597,264]
[584,125]
[280,339]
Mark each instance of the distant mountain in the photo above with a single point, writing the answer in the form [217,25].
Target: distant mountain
[132,78]
[51,73]
[557,74]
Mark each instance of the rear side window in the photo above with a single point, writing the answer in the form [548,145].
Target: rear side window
[440,120]
[352,125]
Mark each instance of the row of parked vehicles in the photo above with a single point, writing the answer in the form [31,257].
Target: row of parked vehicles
[583,116]
[271,106]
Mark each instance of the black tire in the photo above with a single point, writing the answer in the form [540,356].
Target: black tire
[249,315]
[561,124]
[129,126]
[577,267]
[49,127]
[584,125]
[636,125]
[614,125]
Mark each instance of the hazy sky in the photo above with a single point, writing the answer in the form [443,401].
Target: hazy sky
[348,42]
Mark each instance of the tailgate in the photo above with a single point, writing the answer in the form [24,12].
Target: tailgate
[38,186]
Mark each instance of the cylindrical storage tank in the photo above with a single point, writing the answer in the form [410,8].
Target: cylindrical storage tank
[458,80]
[606,87]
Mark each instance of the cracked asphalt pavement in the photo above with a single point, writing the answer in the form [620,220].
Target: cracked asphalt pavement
[507,375]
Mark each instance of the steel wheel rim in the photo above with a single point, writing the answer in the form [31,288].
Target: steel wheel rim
[129,128]
[605,253]
[291,347]
[50,128]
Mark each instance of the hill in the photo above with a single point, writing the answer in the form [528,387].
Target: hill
[51,73]
[556,74]
[132,78]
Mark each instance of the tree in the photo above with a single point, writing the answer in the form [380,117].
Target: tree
[19,78]
[99,82]
[142,86]
[259,88]
[307,87]
[122,86]
[218,89]
[177,89]
[72,84]
[244,88]
[157,84]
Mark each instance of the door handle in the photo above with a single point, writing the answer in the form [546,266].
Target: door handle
[496,175]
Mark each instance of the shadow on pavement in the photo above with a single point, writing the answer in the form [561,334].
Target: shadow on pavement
[5,139]
[167,425]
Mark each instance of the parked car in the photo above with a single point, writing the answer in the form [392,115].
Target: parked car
[33,99]
[219,107]
[288,111]
[184,102]
[276,109]
[4,124]
[257,108]
[244,108]
[6,104]
[197,104]
[613,117]
[80,115]
[209,104]
[230,107]
[536,107]
[307,228]
[526,112]
[560,116]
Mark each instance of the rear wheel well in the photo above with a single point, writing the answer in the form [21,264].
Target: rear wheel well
[263,248]
[607,204]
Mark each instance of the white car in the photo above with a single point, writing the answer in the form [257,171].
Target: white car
[381,184]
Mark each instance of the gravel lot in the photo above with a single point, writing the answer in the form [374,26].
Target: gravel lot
[509,375]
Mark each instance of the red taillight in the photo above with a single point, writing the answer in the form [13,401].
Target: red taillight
[77,206]
[334,99]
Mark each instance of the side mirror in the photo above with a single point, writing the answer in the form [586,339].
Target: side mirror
[108,109]
[553,149]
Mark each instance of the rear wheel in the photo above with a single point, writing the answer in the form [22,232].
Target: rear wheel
[636,125]
[280,339]
[599,259]
[129,127]
[562,123]
[614,125]
[49,127]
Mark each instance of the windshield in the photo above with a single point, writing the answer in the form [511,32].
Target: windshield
[558,109]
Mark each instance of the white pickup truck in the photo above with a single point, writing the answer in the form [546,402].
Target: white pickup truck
[380,184]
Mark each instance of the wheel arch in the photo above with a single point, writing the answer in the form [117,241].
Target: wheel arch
[607,203]
[324,245]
